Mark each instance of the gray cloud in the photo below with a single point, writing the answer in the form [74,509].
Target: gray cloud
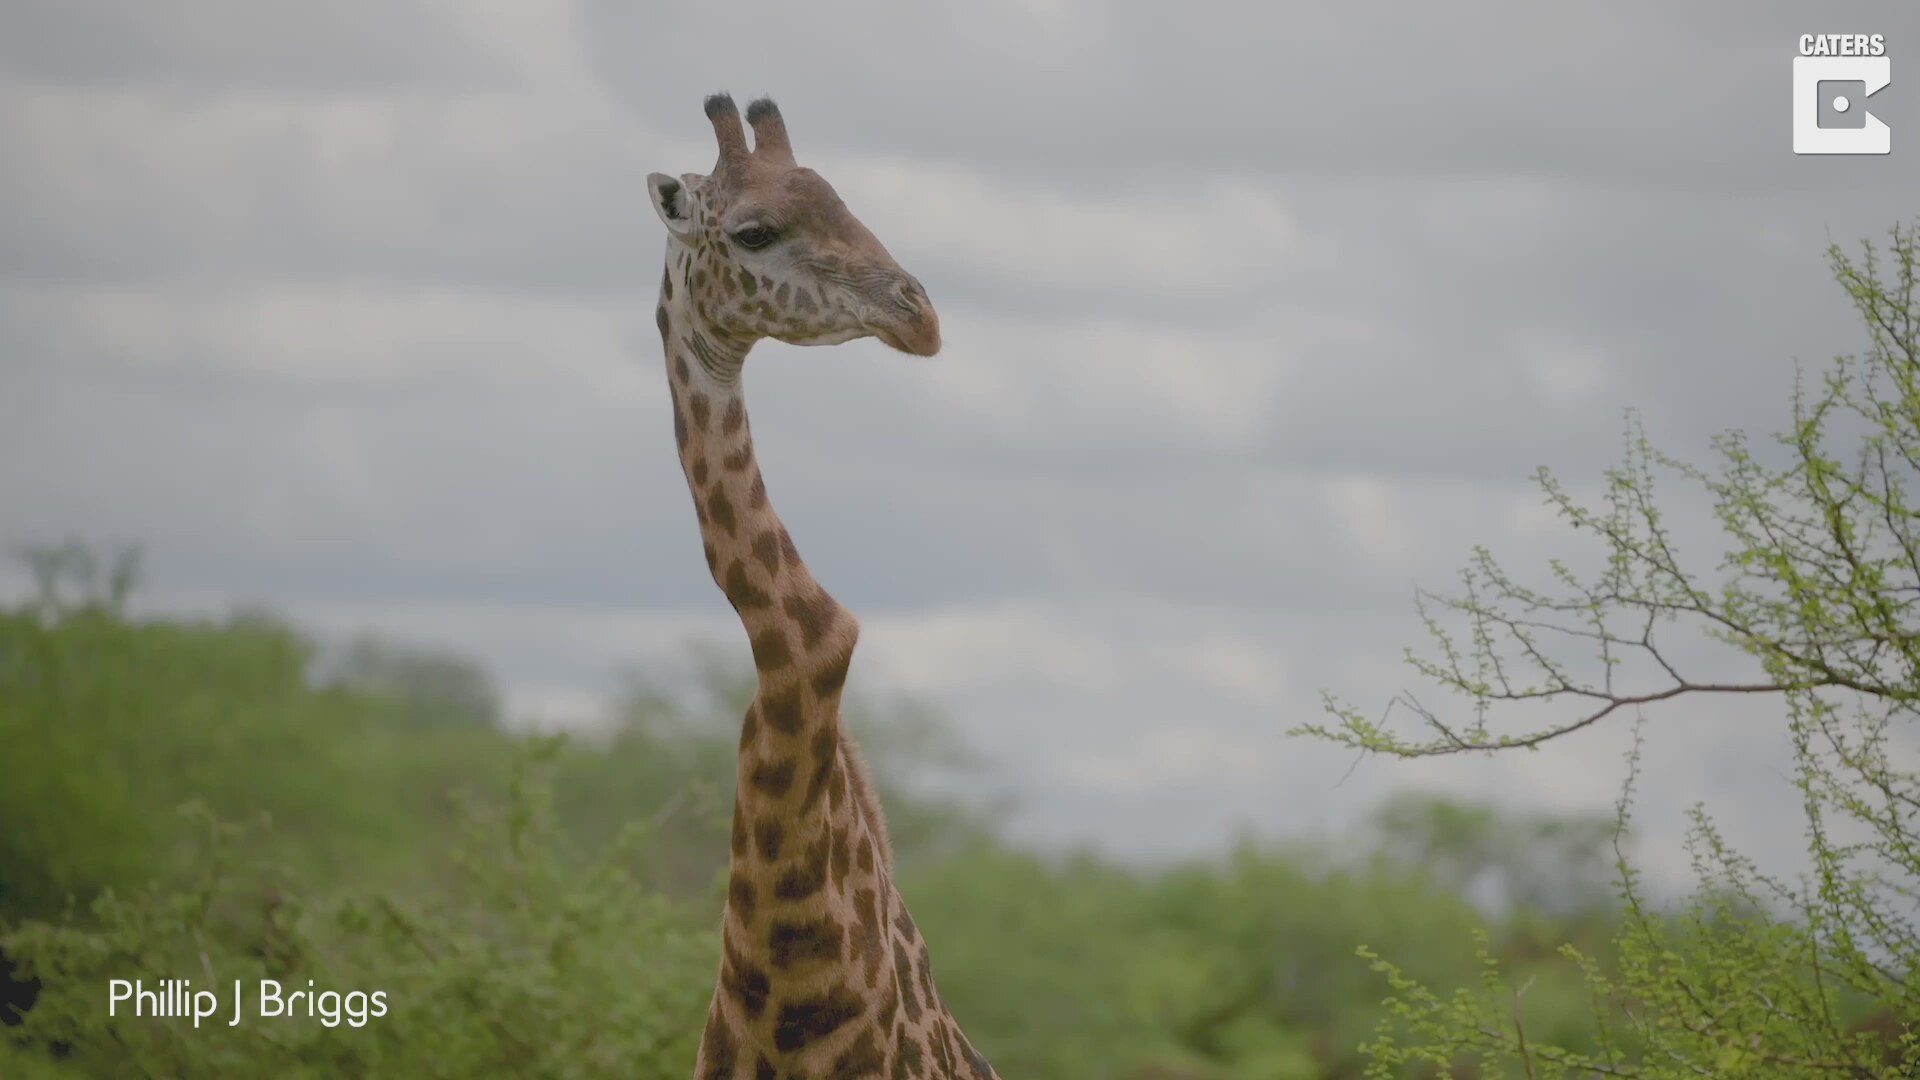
[1254,322]
[249,46]
[1628,93]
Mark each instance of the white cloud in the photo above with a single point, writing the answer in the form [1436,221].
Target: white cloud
[946,653]
[1371,513]
[338,334]
[118,182]
[1166,763]
[1051,382]
[1145,242]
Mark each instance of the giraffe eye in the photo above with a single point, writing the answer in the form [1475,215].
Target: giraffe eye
[755,236]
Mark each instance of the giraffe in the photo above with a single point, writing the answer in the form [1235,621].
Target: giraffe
[823,972]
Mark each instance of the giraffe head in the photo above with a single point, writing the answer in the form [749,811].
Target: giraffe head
[767,249]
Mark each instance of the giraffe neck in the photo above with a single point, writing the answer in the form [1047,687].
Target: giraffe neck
[802,639]
[808,899]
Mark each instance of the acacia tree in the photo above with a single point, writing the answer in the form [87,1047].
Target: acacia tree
[1757,974]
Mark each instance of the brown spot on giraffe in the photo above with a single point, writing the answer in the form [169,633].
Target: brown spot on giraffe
[744,982]
[767,837]
[720,509]
[783,712]
[873,942]
[926,974]
[842,854]
[942,1051]
[773,779]
[792,943]
[770,652]
[742,898]
[907,1063]
[766,548]
[820,973]
[741,592]
[826,750]
[806,877]
[813,613]
[863,1059]
[814,1018]
[903,972]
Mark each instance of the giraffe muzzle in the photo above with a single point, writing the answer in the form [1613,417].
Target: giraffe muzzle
[911,325]
[918,336]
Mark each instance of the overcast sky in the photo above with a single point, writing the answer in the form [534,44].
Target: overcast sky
[1256,317]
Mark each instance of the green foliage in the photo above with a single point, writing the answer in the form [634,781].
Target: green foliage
[1076,967]
[1757,975]
[547,908]
[528,967]
[107,720]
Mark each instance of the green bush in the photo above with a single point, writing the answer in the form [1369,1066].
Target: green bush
[528,967]
[547,908]
[1758,974]
[106,721]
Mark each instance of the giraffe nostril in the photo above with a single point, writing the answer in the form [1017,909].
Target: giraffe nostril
[912,297]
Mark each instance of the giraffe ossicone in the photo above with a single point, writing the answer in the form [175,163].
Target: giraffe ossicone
[823,972]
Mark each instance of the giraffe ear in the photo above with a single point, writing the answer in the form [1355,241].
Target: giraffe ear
[670,200]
